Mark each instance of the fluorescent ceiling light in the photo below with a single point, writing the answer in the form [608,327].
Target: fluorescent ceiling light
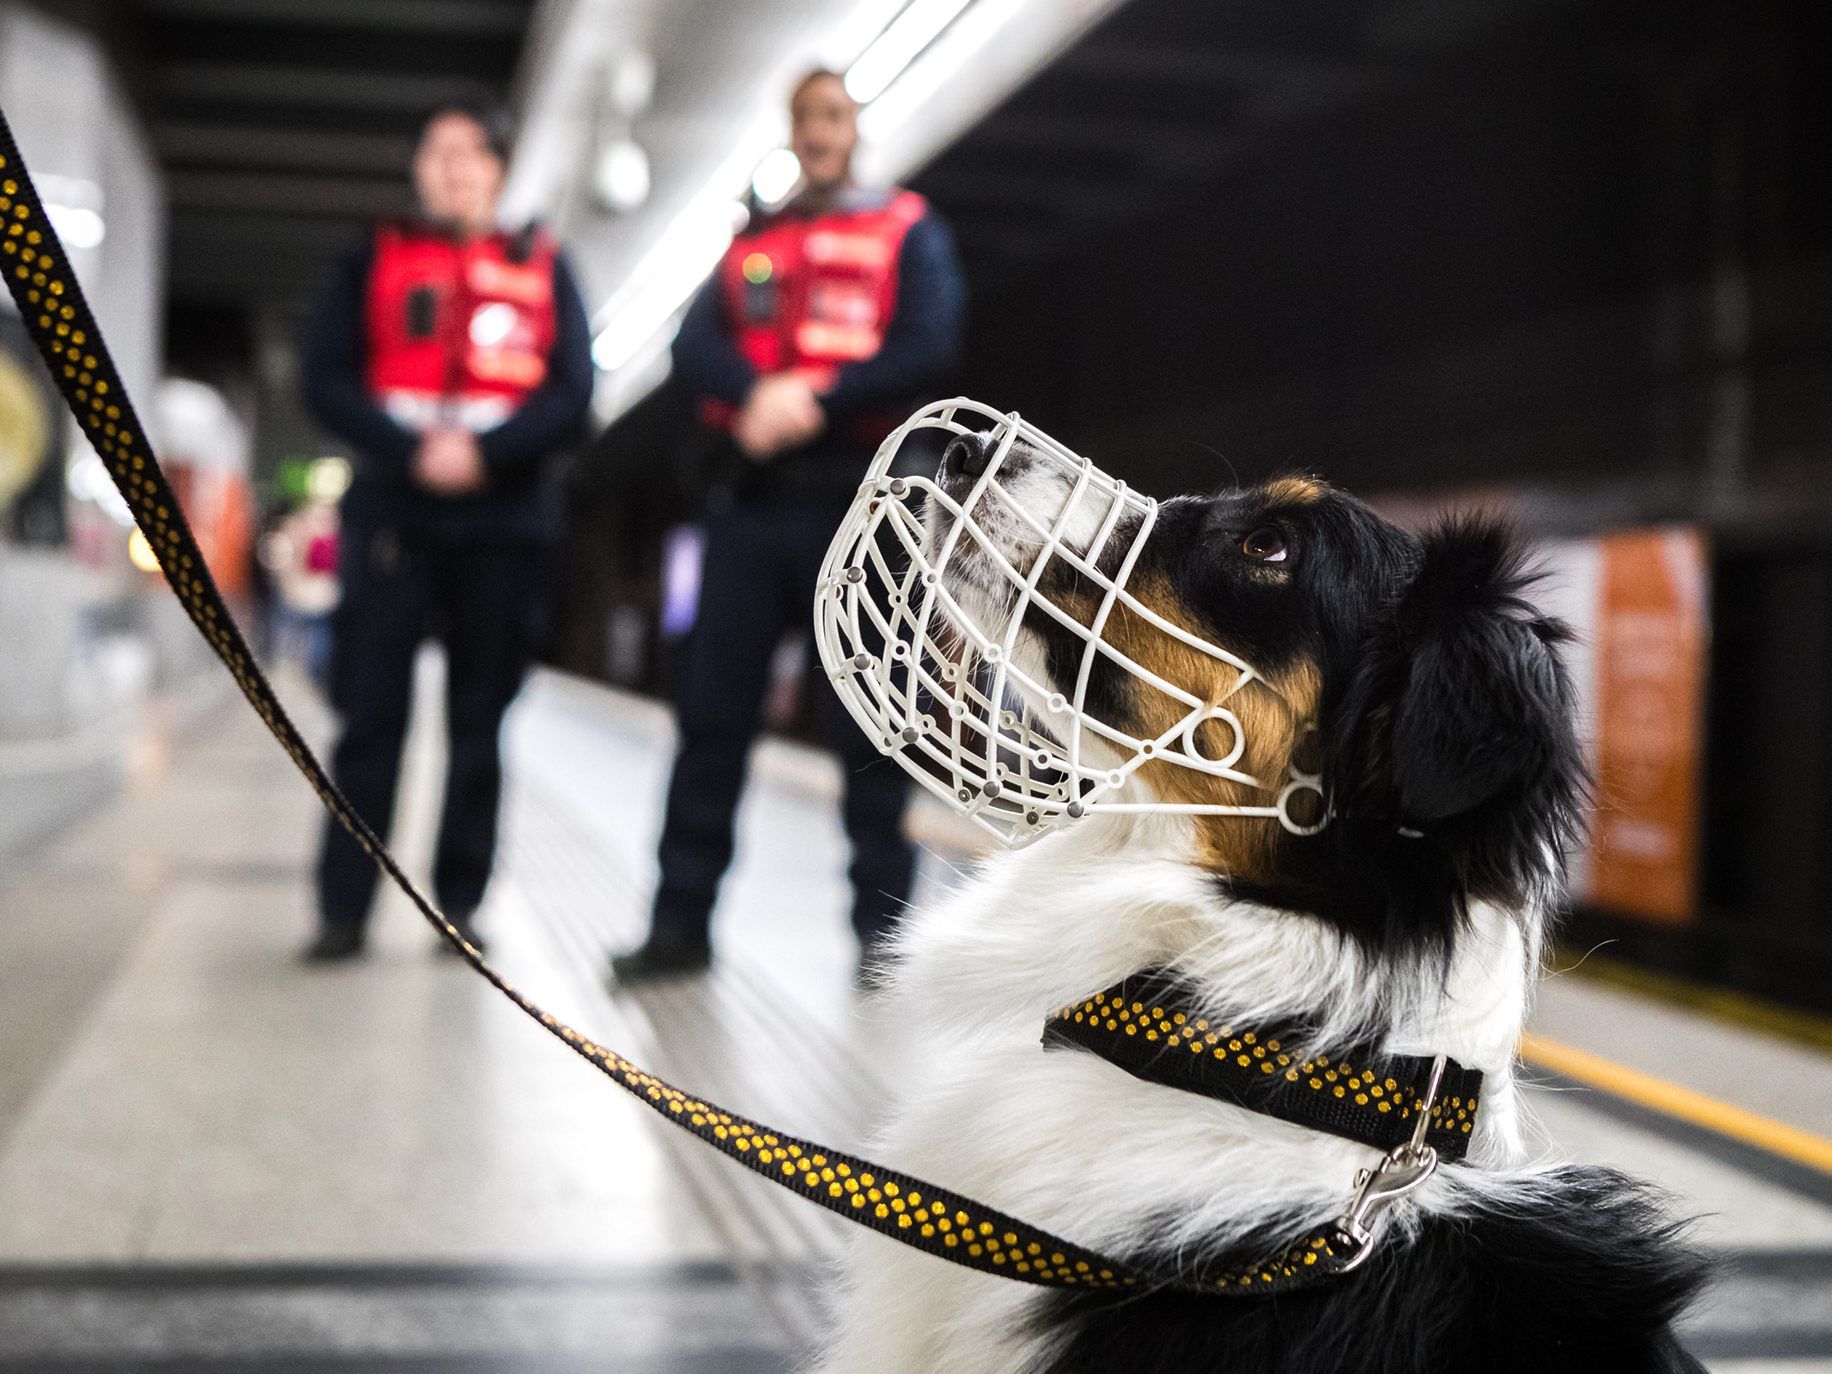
[77,225]
[88,480]
[77,191]
[868,19]
[775,177]
[74,207]
[621,177]
[632,82]
[686,254]
[898,46]
[140,553]
[691,248]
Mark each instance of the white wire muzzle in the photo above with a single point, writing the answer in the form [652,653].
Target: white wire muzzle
[939,684]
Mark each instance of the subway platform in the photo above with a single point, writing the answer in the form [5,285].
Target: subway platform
[213,1158]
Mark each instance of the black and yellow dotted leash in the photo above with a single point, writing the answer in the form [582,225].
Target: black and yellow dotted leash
[906,1209]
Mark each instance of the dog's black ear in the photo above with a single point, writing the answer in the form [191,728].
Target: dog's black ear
[1484,706]
[1458,720]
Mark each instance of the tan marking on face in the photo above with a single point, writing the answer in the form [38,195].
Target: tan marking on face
[1274,713]
[1293,491]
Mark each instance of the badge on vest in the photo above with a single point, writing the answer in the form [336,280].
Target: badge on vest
[759,302]
[759,289]
[421,308]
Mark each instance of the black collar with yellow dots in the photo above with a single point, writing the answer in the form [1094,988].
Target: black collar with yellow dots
[1147,1025]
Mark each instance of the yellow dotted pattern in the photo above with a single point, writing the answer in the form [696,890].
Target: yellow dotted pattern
[954,1227]
[1298,1264]
[929,1217]
[1120,1013]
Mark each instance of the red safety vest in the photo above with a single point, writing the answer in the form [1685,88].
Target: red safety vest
[808,294]
[458,332]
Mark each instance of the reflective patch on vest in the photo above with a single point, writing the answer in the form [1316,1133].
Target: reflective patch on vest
[504,347]
[523,370]
[832,248]
[419,410]
[850,303]
[817,340]
[491,325]
[526,285]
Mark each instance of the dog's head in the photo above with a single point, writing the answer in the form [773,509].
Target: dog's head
[1409,672]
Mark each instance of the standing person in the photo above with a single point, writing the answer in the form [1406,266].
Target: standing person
[454,357]
[824,325]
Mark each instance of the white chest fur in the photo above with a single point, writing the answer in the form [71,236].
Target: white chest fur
[1073,1144]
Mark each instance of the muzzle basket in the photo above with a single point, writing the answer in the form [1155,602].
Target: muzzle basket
[940,681]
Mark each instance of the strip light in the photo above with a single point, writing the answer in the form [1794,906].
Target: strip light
[74,207]
[775,177]
[696,239]
[77,225]
[899,45]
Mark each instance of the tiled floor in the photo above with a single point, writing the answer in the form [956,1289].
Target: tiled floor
[212,1158]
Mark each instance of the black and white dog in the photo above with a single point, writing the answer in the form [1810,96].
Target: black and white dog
[1430,695]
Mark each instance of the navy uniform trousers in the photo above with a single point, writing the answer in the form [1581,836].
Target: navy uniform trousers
[481,598]
[762,556]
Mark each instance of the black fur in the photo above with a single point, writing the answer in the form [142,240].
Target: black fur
[1445,715]
[1585,1276]
[1458,721]
[1448,750]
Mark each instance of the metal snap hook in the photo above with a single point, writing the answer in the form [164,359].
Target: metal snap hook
[1403,1171]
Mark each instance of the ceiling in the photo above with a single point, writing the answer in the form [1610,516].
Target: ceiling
[282,126]
[722,72]
[1161,97]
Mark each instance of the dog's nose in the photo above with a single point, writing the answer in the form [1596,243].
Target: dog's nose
[965,456]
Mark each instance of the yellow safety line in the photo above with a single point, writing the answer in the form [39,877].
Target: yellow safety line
[1683,1104]
[1725,1004]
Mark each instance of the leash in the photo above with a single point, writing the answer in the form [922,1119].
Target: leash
[908,1210]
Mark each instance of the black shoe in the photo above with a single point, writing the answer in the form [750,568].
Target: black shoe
[466,932]
[655,959]
[334,944]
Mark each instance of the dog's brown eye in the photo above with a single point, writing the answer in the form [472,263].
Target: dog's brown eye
[1265,544]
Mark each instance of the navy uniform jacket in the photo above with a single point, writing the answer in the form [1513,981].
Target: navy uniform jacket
[520,499]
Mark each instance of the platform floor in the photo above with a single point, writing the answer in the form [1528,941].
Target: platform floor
[214,1159]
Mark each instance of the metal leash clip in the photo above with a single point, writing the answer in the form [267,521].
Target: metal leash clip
[1402,1171]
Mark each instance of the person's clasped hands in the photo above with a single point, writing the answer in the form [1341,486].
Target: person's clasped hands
[449,462]
[782,412]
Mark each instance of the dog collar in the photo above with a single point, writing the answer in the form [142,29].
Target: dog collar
[1148,1026]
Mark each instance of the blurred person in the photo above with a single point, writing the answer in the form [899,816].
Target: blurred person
[824,325]
[454,357]
[299,557]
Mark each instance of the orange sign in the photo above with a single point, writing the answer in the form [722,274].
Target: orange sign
[1651,642]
